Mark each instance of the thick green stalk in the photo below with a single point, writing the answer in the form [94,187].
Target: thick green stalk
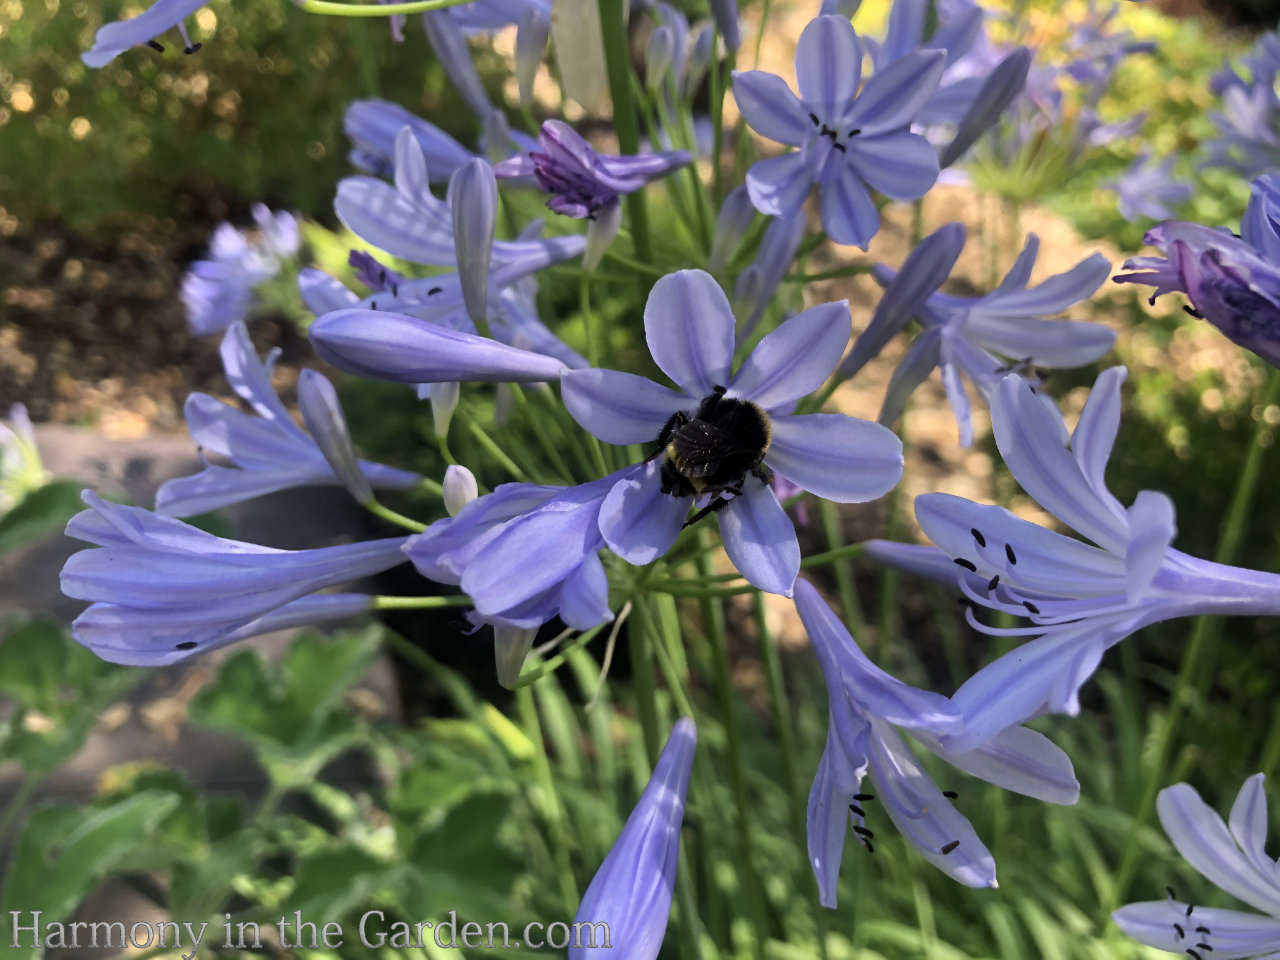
[333,9]
[613,24]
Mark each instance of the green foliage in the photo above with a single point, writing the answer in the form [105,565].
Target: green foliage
[40,513]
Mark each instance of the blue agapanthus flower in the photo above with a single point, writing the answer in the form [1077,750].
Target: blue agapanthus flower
[218,291]
[269,452]
[868,708]
[163,590]
[1079,598]
[1147,189]
[849,140]
[1231,855]
[630,895]
[983,337]
[1248,125]
[1232,282]
[112,39]
[689,327]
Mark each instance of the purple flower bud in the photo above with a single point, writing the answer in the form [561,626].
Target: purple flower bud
[732,221]
[473,198]
[531,44]
[601,231]
[323,416]
[450,44]
[511,645]
[630,895]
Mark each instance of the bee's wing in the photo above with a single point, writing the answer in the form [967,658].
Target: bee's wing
[700,446]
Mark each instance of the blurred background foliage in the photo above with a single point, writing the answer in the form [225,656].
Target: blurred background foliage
[504,813]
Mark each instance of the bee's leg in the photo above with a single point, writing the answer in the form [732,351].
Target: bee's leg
[719,503]
[674,423]
[762,473]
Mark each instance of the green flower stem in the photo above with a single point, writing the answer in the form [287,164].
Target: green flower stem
[491,446]
[333,9]
[420,603]
[714,625]
[589,324]
[834,531]
[842,552]
[633,265]
[431,486]
[613,24]
[399,519]
[682,588]
[854,270]
[660,640]
[18,801]
[1196,671]
[716,82]
[539,427]
[552,664]
[552,808]
[643,683]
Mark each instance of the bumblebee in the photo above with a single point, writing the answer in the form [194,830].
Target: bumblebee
[712,451]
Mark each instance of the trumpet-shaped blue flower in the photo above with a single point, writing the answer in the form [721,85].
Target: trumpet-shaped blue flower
[756,285]
[1147,188]
[1233,857]
[162,589]
[982,337]
[848,139]
[690,330]
[867,709]
[1232,282]
[217,291]
[112,39]
[1248,140]
[584,183]
[1080,598]
[631,892]
[268,452]
[373,125]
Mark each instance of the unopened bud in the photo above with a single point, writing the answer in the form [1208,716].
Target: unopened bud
[460,488]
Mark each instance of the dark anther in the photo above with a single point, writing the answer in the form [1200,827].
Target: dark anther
[193,48]
[373,304]
[839,146]
[965,602]
[1205,946]
[1189,909]
[870,848]
[855,131]
[395,290]
[856,810]
[863,797]
[1041,375]
[947,848]
[1008,552]
[967,564]
[978,537]
[1031,606]
[827,132]
[1193,312]
[1195,956]
[814,118]
[993,583]
[950,794]
[862,831]
[1204,930]
[1169,891]
[187,645]
[434,290]
[382,275]
[1151,300]
[1178,929]
[156,45]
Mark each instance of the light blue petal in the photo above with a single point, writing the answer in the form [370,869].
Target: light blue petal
[902,166]
[1151,530]
[689,327]
[828,66]
[892,97]
[1095,433]
[913,369]
[838,457]
[796,358]
[770,108]
[638,521]
[1234,933]
[1017,759]
[1046,343]
[114,38]
[779,185]
[848,214]
[619,407]
[760,539]
[585,601]
[322,413]
[322,293]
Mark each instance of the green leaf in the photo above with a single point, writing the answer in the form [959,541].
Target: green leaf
[40,513]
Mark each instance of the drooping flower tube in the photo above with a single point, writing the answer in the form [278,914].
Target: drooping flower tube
[629,898]
[162,590]
[982,337]
[1232,856]
[848,139]
[867,709]
[269,452]
[1079,598]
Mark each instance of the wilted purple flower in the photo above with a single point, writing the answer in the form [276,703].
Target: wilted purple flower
[848,140]
[1232,282]
[690,330]
[1080,599]
[1233,857]
[982,337]
[217,291]
[161,588]
[1147,188]
[630,895]
[114,38]
[585,182]
[269,452]
[867,709]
